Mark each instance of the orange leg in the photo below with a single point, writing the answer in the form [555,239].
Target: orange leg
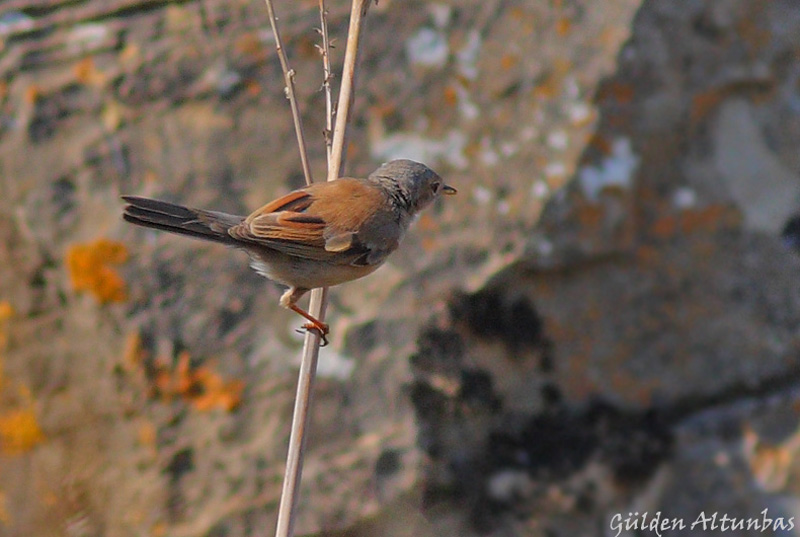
[289,299]
[313,324]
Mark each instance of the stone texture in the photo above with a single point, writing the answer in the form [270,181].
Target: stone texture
[604,321]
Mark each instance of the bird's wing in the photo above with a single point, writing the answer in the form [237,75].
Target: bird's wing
[319,222]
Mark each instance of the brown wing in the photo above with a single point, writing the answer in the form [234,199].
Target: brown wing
[318,222]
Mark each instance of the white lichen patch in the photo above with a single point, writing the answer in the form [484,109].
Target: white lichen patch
[427,48]
[414,146]
[616,170]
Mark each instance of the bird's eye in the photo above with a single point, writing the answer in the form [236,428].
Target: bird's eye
[435,187]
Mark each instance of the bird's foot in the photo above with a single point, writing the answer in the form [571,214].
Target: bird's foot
[321,329]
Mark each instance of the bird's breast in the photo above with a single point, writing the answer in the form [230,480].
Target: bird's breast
[306,273]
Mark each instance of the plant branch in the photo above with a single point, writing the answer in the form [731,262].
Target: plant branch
[287,508]
[319,297]
[346,91]
[325,50]
[288,76]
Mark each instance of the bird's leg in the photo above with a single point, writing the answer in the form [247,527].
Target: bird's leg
[289,300]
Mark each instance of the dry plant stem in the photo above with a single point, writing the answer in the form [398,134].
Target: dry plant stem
[325,49]
[305,384]
[346,94]
[308,364]
[288,76]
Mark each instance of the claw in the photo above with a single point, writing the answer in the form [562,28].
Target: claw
[323,332]
[288,301]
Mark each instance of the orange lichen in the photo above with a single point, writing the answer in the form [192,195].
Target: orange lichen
[87,73]
[590,216]
[148,435]
[706,219]
[518,13]
[552,83]
[203,388]
[601,143]
[19,431]
[450,96]
[648,255]
[6,312]
[89,269]
[429,244]
[19,428]
[563,26]
[547,89]
[754,35]
[32,94]
[214,391]
[382,109]
[307,47]
[130,54]
[508,61]
[621,92]
[133,355]
[250,44]
[665,226]
[252,88]
[159,529]
[705,102]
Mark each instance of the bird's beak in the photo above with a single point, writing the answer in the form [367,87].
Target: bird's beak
[448,190]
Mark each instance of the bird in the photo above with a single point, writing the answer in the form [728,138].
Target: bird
[321,235]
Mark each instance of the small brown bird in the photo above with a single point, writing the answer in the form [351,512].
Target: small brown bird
[318,236]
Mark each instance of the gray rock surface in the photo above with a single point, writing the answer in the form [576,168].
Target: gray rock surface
[603,322]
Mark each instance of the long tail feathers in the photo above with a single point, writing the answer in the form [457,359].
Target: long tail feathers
[206,225]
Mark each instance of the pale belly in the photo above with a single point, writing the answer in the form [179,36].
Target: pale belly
[308,274]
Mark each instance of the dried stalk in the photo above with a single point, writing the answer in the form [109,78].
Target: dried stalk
[336,163]
[288,76]
[308,364]
[317,306]
[318,303]
[325,50]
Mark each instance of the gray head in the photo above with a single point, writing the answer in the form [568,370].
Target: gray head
[411,185]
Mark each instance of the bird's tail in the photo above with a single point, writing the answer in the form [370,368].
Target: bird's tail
[206,225]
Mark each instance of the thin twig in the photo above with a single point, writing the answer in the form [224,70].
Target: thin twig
[288,76]
[319,297]
[357,12]
[308,365]
[325,50]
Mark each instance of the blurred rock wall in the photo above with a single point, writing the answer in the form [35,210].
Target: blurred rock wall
[601,326]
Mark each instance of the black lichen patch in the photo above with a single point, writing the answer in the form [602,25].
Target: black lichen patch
[549,450]
[438,350]
[389,463]
[63,197]
[558,443]
[51,109]
[488,456]
[476,389]
[429,403]
[182,462]
[438,361]
[633,444]
[489,314]
[791,233]
[551,446]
